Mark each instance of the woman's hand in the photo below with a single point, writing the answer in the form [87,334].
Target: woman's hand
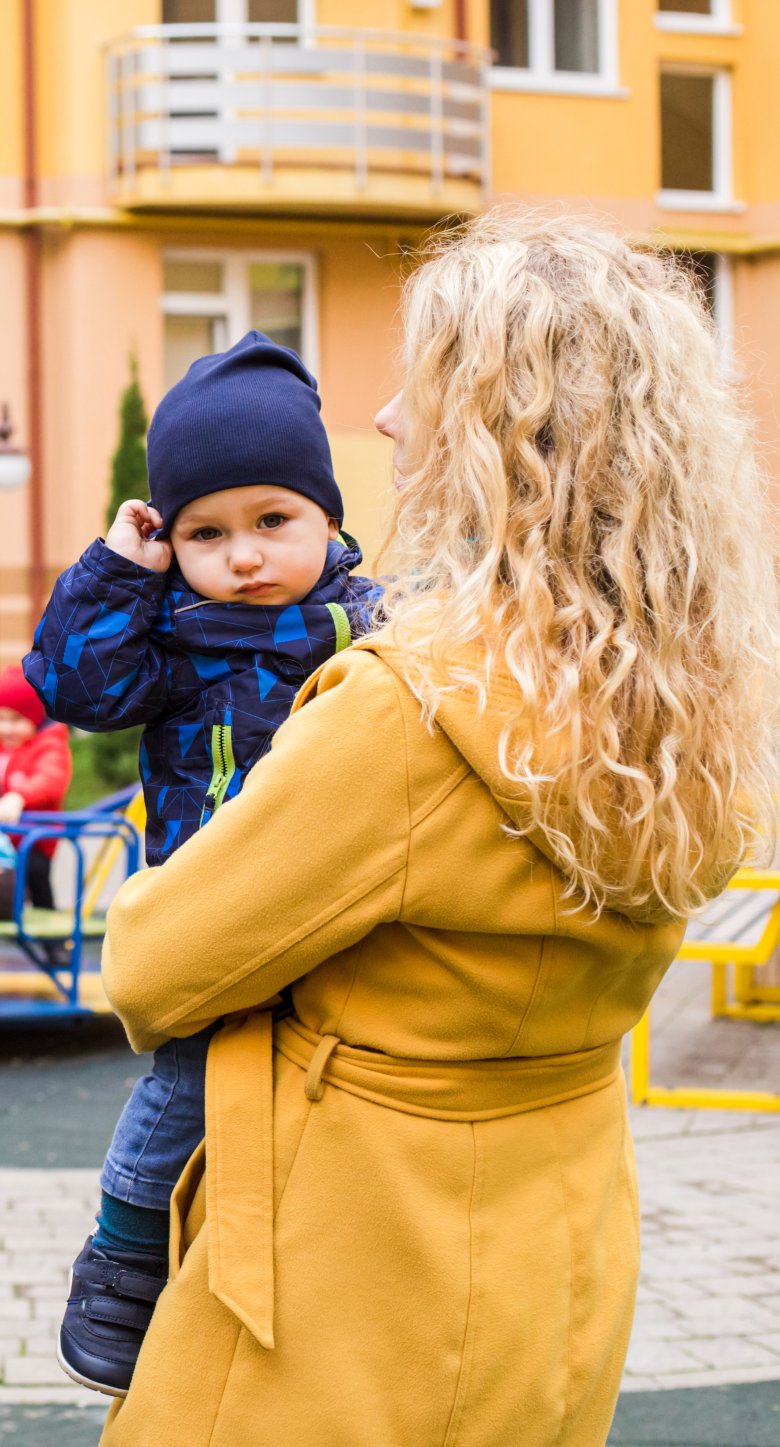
[11,806]
[129,535]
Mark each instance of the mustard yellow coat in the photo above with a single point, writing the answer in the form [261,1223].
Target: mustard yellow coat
[414,1220]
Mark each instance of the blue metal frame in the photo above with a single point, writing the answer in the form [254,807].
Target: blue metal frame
[98,822]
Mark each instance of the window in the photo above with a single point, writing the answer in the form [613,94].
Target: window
[509,33]
[189,12]
[706,16]
[210,54]
[686,7]
[712,273]
[695,138]
[209,12]
[576,35]
[554,44]
[211,300]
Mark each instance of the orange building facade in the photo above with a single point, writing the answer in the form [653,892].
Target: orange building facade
[173,172]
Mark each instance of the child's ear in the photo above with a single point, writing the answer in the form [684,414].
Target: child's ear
[333,529]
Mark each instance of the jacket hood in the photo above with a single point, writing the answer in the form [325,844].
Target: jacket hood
[476,735]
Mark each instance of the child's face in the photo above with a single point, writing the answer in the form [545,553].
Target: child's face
[15,729]
[252,544]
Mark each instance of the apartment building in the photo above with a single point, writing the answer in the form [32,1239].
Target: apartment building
[173,172]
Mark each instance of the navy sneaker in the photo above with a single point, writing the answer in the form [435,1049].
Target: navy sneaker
[112,1297]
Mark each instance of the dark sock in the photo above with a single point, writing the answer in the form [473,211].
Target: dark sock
[125,1227]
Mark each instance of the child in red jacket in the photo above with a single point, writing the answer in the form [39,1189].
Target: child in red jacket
[35,770]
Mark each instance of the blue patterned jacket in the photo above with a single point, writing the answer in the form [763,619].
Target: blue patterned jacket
[121,645]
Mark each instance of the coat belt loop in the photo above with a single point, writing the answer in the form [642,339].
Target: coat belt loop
[312,1086]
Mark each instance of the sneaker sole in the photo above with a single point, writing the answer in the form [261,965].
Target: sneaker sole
[87,1381]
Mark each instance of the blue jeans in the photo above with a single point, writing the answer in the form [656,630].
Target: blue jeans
[160,1126]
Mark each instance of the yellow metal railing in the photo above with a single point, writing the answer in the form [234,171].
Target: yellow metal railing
[747,1001]
[100,869]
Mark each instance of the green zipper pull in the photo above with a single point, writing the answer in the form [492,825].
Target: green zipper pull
[223,768]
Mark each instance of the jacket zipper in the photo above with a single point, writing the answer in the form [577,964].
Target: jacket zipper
[223,768]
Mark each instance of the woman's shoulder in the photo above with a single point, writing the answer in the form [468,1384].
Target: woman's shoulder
[364,668]
[362,698]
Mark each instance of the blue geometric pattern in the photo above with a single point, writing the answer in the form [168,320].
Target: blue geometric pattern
[73,647]
[121,645]
[265,681]
[290,626]
[109,623]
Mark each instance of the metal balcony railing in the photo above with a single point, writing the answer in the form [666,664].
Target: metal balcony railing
[270,96]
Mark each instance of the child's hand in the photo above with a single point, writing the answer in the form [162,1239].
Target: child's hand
[129,536]
[11,806]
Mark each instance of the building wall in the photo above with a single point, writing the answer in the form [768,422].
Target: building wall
[603,153]
[101,300]
[757,354]
[14,518]
[102,266]
[70,40]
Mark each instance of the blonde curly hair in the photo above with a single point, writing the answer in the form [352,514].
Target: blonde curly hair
[581,508]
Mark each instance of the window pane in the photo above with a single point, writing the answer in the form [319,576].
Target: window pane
[189,12]
[203,276]
[686,132]
[186,339]
[703,267]
[276,301]
[577,35]
[686,7]
[272,12]
[509,32]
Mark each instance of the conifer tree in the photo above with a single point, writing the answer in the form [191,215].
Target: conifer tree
[115,755]
[129,477]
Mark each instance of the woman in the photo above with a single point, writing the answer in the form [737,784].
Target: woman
[471,852]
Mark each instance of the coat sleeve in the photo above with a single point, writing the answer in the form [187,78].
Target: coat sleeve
[93,662]
[45,784]
[308,859]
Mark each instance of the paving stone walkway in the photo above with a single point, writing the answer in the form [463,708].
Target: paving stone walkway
[709,1298]
[708,1310]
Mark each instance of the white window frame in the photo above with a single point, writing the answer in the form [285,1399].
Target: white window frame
[233,302]
[718,22]
[721,197]
[541,75]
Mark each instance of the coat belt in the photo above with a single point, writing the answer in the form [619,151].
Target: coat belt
[239,1126]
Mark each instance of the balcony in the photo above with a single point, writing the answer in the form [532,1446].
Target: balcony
[303,119]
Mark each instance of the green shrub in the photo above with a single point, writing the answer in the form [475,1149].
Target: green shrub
[85,786]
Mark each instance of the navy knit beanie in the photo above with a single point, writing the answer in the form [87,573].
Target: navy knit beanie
[249,415]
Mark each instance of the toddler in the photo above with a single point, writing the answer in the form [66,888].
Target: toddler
[35,770]
[200,616]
